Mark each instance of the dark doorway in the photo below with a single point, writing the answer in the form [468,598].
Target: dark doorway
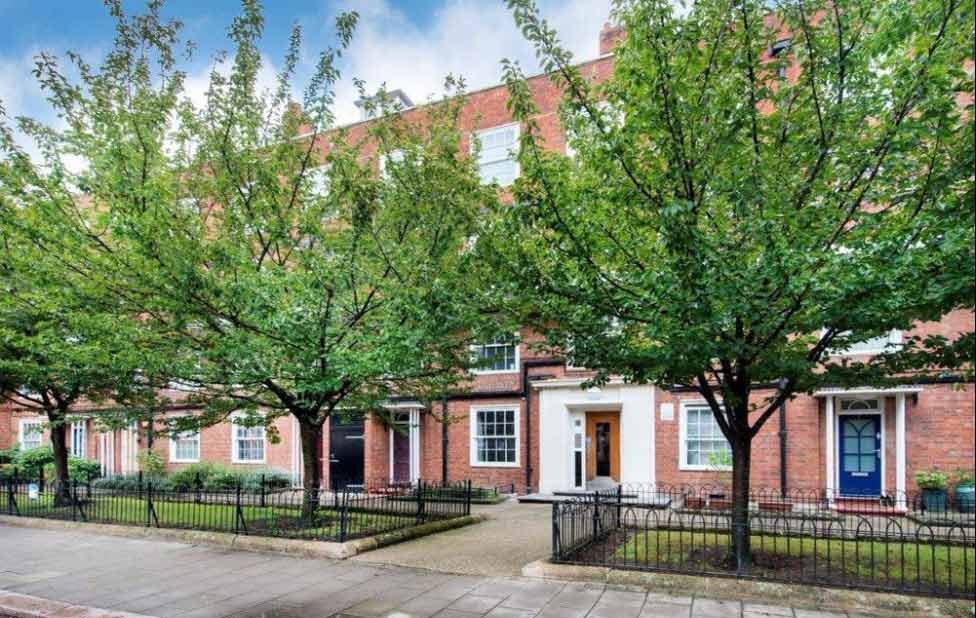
[346,452]
[603,449]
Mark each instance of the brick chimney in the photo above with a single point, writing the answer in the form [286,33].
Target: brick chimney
[610,35]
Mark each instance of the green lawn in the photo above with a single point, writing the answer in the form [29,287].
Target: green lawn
[269,520]
[797,558]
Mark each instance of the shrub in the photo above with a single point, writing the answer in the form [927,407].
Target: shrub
[8,455]
[127,482]
[931,479]
[223,479]
[151,463]
[185,479]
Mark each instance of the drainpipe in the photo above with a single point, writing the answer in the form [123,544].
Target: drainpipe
[445,440]
[528,427]
[782,449]
[539,362]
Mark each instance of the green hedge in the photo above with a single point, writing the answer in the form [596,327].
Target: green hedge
[212,477]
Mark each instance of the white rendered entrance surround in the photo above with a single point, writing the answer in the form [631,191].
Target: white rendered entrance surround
[412,409]
[832,398]
[561,401]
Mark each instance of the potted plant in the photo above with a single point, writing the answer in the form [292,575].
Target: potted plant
[721,462]
[933,484]
[965,491]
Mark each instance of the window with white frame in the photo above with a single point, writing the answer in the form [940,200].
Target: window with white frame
[31,434]
[184,447]
[79,437]
[494,437]
[497,356]
[394,156]
[497,157]
[248,443]
[888,342]
[702,440]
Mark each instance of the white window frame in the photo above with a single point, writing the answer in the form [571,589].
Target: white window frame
[397,156]
[512,154]
[318,179]
[683,440]
[894,343]
[81,428]
[235,454]
[482,371]
[473,436]
[184,435]
[22,424]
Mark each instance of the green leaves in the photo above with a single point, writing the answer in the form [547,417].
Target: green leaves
[734,221]
[245,251]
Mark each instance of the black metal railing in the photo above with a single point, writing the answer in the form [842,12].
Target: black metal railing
[373,508]
[906,543]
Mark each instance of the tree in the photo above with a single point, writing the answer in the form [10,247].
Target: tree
[60,352]
[296,278]
[730,216]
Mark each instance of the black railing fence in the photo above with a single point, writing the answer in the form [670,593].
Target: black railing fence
[373,508]
[903,543]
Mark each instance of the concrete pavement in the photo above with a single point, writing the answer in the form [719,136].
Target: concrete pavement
[166,579]
[513,535]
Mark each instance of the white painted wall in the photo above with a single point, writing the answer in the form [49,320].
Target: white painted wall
[558,399]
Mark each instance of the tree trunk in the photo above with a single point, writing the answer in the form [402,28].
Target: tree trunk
[59,447]
[311,435]
[741,544]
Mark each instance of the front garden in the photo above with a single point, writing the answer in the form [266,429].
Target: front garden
[291,513]
[801,538]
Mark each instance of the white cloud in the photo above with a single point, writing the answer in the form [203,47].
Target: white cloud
[466,37]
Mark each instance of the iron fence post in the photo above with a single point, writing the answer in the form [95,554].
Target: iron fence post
[11,500]
[262,491]
[555,531]
[420,502]
[467,498]
[149,507]
[73,496]
[343,515]
[596,514]
[620,501]
[237,507]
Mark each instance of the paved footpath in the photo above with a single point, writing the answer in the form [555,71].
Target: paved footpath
[513,536]
[164,579]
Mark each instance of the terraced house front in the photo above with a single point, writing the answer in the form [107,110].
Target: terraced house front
[527,422]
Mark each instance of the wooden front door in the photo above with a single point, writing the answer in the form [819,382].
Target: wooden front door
[603,445]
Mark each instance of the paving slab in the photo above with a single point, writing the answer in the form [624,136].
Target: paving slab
[168,579]
[512,536]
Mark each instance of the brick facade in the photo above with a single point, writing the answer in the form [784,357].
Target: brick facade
[939,421]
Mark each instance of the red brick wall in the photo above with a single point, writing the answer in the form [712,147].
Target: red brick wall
[940,431]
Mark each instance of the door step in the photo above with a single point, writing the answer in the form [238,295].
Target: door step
[867,506]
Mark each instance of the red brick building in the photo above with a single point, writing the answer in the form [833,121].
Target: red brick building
[525,421]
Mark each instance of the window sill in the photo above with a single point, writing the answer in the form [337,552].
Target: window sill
[488,372]
[693,468]
[185,461]
[495,465]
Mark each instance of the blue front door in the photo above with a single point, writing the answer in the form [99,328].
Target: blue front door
[860,455]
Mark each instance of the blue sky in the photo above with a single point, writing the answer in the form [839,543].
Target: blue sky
[408,44]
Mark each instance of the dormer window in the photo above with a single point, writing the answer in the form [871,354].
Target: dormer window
[497,160]
[778,49]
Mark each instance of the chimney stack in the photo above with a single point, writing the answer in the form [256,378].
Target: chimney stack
[610,36]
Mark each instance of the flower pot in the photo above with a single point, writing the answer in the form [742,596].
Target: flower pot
[966,498]
[694,503]
[720,504]
[934,500]
[776,506]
